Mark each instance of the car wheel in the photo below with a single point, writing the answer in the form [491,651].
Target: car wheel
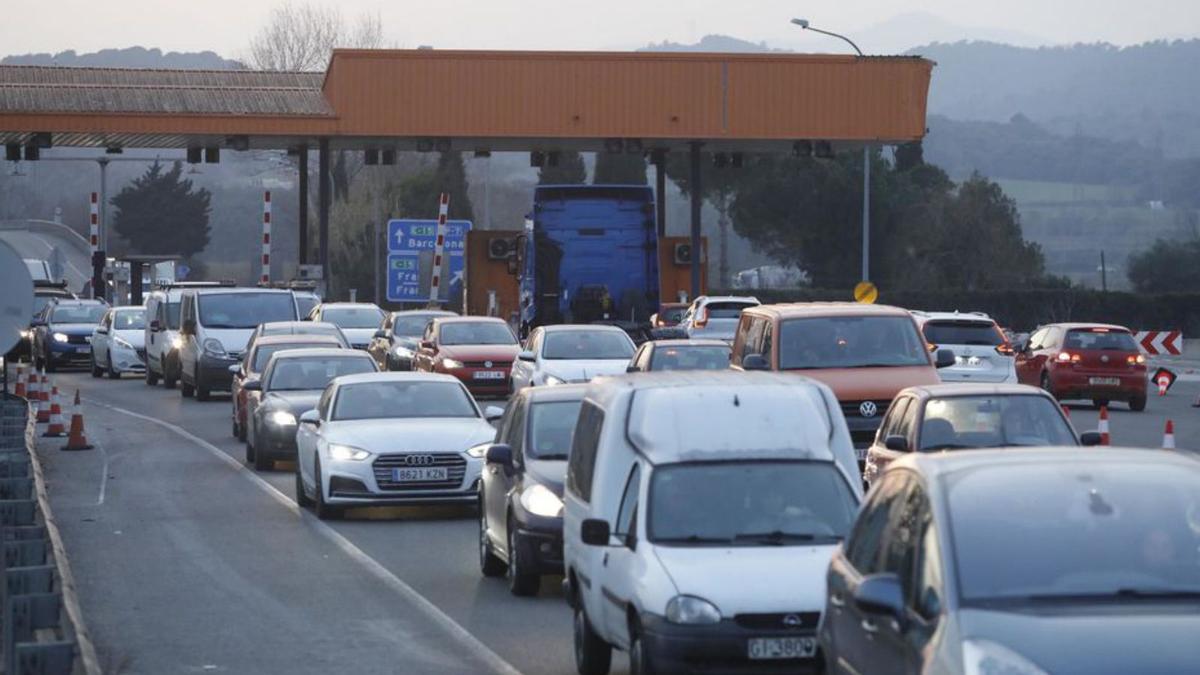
[186,390]
[1138,404]
[202,392]
[96,370]
[151,376]
[593,656]
[113,374]
[302,498]
[640,660]
[521,582]
[489,564]
[170,375]
[239,429]
[262,461]
[249,451]
[1047,385]
[1099,403]
[324,511]
[49,365]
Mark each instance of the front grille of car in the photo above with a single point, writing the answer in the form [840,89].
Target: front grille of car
[455,463]
[784,621]
[79,339]
[482,364]
[854,408]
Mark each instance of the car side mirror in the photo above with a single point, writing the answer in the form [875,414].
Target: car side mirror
[501,454]
[428,344]
[880,594]
[36,322]
[235,369]
[311,417]
[897,443]
[527,356]
[945,358]
[1090,439]
[594,532]
[1021,346]
[755,362]
[102,331]
[381,334]
[493,413]
[632,369]
[252,385]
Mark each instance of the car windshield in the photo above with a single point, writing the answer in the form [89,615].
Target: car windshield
[963,333]
[401,400]
[993,422]
[39,303]
[37,270]
[727,310]
[305,303]
[1100,338]
[551,425]
[1034,531]
[749,503]
[353,317]
[587,344]
[263,353]
[312,373]
[172,315]
[411,325]
[477,333]
[77,313]
[697,357]
[244,310]
[672,314]
[850,342]
[129,319]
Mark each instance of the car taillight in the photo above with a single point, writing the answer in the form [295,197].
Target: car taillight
[1065,357]
[1136,360]
[1005,350]
[701,319]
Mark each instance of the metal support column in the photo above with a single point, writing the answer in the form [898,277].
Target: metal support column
[697,200]
[302,218]
[323,193]
[866,215]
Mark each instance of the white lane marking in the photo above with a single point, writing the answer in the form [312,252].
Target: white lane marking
[103,473]
[443,620]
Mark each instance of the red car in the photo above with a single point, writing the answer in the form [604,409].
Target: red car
[478,350]
[1085,360]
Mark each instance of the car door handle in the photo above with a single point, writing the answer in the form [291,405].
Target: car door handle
[836,600]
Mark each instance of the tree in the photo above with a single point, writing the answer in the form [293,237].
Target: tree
[161,214]
[417,196]
[568,170]
[1166,267]
[613,168]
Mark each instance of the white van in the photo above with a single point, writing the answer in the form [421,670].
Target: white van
[162,330]
[701,509]
[214,326]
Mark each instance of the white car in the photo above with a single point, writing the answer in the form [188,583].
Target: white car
[715,317]
[358,320]
[982,353]
[391,438]
[119,342]
[571,353]
[701,510]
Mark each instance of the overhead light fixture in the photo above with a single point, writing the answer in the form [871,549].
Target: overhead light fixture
[736,160]
[443,145]
[553,157]
[32,152]
[238,143]
[12,152]
[633,146]
[114,150]
[823,149]
[212,154]
[802,149]
[425,145]
[42,139]
[371,156]
[720,160]
[614,145]
[483,153]
[194,154]
[658,157]
[387,156]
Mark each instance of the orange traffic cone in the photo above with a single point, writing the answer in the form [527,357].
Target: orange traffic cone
[1169,436]
[31,391]
[56,428]
[20,390]
[76,439]
[1102,426]
[43,415]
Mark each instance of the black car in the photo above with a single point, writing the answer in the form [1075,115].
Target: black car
[520,496]
[43,294]
[1021,560]
[62,332]
[291,384]
[660,355]
[399,337]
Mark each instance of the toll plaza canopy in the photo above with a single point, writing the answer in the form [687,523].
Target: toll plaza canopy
[479,100]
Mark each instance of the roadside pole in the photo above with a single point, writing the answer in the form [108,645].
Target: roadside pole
[266,239]
[439,246]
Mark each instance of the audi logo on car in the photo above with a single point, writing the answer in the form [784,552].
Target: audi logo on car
[868,409]
[792,620]
[419,460]
[487,364]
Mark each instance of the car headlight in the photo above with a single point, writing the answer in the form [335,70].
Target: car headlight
[452,364]
[347,453]
[541,501]
[478,451]
[281,418]
[402,352]
[553,380]
[122,343]
[984,657]
[177,342]
[61,337]
[688,609]
[25,334]
[213,347]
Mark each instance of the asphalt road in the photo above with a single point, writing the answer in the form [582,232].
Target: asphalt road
[188,561]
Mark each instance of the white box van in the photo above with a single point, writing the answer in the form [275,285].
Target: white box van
[701,510]
[162,330]
[214,326]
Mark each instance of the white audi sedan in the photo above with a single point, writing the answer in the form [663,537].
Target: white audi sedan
[391,439]
[571,354]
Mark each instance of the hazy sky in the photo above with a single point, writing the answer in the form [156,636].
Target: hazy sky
[225,26]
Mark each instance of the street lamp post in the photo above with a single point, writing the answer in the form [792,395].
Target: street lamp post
[866,210]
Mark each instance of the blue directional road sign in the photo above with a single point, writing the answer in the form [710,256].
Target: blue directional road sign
[407,240]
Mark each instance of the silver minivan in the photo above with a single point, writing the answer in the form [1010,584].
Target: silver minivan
[162,340]
[214,326]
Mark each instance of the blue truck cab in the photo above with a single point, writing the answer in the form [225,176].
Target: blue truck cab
[589,253]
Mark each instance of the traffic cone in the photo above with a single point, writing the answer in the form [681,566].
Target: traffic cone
[56,428]
[1169,436]
[76,439]
[31,391]
[20,390]
[43,415]
[1102,426]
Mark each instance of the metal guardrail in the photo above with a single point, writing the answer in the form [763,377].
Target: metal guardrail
[41,629]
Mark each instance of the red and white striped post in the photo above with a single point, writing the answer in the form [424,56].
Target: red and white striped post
[439,247]
[94,238]
[266,238]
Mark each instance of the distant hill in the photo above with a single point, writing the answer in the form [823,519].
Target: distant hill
[130,57]
[713,43]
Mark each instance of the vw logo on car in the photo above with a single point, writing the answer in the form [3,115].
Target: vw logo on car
[792,620]
[487,364]
[419,460]
[868,409]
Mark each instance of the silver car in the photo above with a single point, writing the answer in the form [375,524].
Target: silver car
[715,318]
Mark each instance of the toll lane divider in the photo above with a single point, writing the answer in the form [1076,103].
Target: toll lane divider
[41,623]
